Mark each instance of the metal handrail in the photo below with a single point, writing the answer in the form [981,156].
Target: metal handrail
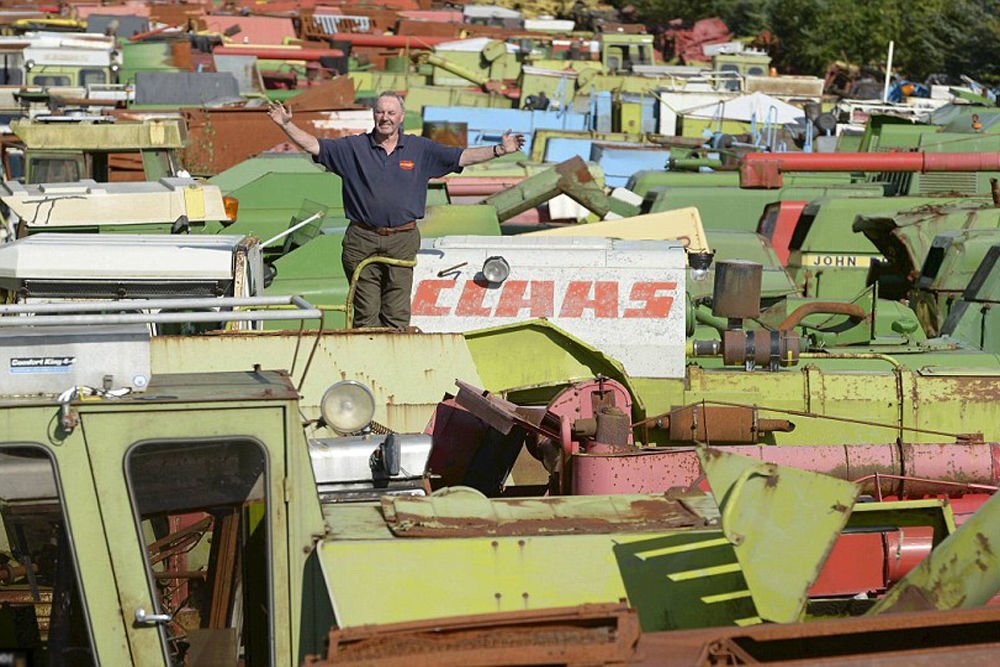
[57,314]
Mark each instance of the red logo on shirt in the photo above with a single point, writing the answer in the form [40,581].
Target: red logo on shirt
[406,164]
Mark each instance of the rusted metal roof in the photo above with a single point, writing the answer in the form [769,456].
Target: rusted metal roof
[433,15]
[196,388]
[254,29]
[178,14]
[924,638]
[587,634]
[465,512]
[222,138]
[128,9]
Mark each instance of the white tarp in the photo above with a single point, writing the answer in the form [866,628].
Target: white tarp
[749,107]
[472,45]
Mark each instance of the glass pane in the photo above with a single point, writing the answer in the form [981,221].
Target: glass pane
[203,519]
[40,606]
[91,76]
[55,170]
[50,80]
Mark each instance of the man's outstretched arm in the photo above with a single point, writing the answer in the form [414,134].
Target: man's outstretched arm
[282,117]
[509,143]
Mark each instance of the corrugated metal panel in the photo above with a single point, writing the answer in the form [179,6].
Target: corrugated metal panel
[899,180]
[331,23]
[946,182]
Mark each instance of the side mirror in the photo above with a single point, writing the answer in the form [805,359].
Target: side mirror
[270,272]
[392,452]
[385,460]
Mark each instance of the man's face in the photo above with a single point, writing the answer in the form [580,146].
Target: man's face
[388,116]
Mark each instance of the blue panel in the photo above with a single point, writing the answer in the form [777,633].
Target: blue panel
[650,115]
[620,163]
[604,112]
[559,149]
[488,125]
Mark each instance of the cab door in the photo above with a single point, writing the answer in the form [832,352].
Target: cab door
[192,502]
[58,604]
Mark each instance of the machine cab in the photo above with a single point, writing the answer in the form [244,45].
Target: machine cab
[151,528]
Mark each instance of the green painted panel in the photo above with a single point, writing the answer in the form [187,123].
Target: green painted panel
[84,519]
[932,512]
[250,170]
[685,580]
[408,373]
[961,572]
[644,181]
[732,208]
[782,523]
[744,245]
[456,564]
[393,581]
[290,189]
[548,358]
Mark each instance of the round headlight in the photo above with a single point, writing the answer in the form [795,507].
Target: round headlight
[348,407]
[496,269]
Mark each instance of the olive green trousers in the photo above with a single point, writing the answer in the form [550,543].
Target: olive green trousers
[382,296]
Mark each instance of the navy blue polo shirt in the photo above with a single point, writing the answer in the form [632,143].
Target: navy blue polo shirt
[386,190]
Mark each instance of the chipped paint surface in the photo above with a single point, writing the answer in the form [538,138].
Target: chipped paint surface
[405,393]
[463,512]
[782,523]
[961,572]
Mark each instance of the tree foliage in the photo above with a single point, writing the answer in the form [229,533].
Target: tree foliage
[947,36]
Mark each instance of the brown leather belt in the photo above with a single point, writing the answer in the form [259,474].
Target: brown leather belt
[386,231]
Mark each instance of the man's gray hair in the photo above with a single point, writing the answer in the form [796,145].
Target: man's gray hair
[393,94]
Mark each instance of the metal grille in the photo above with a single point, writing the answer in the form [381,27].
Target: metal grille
[329,24]
[900,181]
[947,182]
[122,290]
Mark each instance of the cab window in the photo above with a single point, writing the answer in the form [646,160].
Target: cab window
[42,617]
[50,80]
[54,170]
[202,516]
[92,76]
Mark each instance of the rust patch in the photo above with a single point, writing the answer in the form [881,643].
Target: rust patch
[656,514]
[984,543]
[974,389]
[913,599]
[586,634]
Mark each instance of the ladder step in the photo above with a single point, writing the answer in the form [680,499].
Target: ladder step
[751,620]
[725,597]
[715,570]
[682,548]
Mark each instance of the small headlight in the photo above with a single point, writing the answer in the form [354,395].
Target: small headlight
[700,262]
[496,269]
[348,407]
